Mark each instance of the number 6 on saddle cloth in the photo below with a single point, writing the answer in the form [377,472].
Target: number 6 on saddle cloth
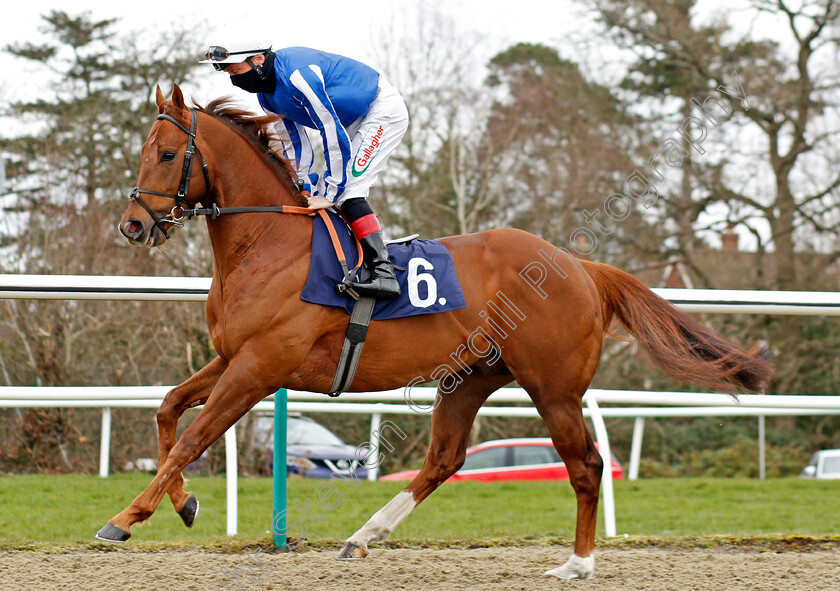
[424,270]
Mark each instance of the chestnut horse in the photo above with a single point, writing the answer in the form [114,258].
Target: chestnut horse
[541,316]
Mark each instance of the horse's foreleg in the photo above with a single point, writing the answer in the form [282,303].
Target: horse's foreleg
[239,388]
[452,418]
[191,393]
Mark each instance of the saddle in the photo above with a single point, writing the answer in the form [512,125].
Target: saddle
[424,269]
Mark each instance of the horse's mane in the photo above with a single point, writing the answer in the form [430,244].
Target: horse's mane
[258,129]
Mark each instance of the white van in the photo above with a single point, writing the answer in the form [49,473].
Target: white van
[823,465]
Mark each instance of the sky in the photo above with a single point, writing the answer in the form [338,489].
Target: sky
[338,26]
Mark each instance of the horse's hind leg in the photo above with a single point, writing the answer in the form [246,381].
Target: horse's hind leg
[563,415]
[191,393]
[451,421]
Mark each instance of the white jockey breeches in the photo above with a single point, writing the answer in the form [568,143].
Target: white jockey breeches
[372,139]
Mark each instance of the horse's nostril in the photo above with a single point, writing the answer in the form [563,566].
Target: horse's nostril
[132,229]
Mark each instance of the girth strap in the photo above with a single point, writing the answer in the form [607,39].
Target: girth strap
[351,350]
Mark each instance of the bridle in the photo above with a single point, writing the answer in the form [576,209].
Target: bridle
[184,186]
[183,208]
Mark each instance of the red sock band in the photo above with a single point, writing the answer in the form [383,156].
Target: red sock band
[365,226]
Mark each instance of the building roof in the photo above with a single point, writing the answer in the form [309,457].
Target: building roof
[730,268]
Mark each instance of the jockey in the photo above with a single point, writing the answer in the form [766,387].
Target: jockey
[360,117]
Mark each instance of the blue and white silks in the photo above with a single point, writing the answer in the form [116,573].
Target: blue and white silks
[323,91]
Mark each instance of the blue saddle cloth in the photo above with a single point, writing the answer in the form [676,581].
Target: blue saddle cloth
[428,285]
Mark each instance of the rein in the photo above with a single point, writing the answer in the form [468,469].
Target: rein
[215,211]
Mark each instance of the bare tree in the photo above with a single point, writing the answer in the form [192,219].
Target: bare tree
[439,182]
[777,175]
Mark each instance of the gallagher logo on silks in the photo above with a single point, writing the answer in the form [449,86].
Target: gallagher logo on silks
[367,151]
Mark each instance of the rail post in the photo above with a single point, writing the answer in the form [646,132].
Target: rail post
[278,522]
[231,467]
[105,443]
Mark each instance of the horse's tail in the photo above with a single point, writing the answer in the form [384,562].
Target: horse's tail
[677,343]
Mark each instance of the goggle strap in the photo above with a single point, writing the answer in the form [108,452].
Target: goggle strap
[209,55]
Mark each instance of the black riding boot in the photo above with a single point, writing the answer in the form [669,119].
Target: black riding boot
[383,283]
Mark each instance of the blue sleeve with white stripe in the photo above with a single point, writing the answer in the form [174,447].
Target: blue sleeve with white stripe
[298,149]
[310,82]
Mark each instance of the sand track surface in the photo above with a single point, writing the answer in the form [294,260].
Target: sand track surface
[655,569]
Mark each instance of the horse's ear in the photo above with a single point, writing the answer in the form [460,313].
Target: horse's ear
[178,98]
[159,99]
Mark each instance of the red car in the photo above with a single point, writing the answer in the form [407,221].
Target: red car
[511,459]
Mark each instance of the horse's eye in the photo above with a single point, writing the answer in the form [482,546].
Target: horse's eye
[167,156]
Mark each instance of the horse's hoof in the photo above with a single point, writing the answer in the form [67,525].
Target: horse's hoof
[575,568]
[111,533]
[189,511]
[351,551]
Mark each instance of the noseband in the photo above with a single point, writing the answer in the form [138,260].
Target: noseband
[181,204]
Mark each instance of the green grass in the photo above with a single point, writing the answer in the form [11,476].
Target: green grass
[44,512]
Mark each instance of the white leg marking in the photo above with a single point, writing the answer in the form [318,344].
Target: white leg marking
[575,568]
[385,520]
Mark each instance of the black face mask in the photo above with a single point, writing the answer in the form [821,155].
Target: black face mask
[260,78]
